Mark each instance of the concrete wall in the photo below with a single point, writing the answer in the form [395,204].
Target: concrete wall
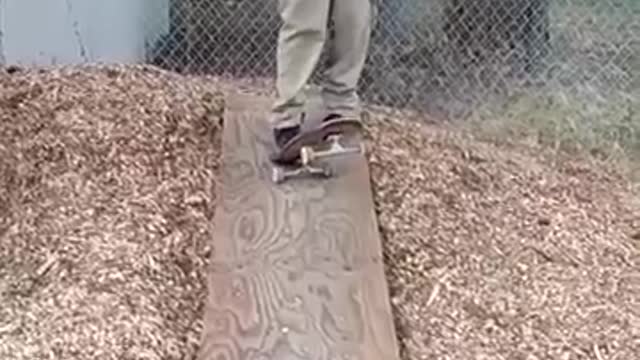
[46,32]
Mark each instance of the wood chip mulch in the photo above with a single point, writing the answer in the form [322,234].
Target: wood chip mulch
[107,182]
[108,188]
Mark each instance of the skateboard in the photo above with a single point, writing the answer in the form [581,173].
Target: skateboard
[297,157]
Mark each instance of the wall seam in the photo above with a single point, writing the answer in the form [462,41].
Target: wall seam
[3,59]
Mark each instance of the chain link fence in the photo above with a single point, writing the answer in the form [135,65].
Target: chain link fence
[453,58]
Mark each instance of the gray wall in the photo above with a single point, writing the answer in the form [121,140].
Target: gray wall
[46,32]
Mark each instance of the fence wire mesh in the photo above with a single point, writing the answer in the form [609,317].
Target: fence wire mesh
[449,57]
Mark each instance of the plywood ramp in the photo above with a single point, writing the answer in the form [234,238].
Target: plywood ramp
[297,270]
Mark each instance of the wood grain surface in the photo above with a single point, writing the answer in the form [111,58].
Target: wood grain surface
[296,271]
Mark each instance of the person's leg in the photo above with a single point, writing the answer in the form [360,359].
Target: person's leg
[348,52]
[300,43]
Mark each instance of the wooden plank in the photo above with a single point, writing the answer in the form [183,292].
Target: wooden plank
[297,270]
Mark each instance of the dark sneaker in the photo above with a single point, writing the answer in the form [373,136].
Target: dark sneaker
[337,116]
[343,124]
[331,116]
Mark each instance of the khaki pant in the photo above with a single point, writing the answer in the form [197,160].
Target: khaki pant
[300,44]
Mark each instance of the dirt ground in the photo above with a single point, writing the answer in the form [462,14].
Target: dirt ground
[108,173]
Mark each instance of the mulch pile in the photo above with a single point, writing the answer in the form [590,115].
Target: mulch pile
[108,181]
[504,253]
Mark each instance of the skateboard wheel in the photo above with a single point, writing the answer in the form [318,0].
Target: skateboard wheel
[277,175]
[306,154]
[327,172]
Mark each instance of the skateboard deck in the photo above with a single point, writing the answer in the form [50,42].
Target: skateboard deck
[310,155]
[296,270]
[325,140]
[315,136]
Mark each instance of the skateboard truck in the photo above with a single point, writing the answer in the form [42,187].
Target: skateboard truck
[308,154]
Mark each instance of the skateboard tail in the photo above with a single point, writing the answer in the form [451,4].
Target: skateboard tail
[290,153]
